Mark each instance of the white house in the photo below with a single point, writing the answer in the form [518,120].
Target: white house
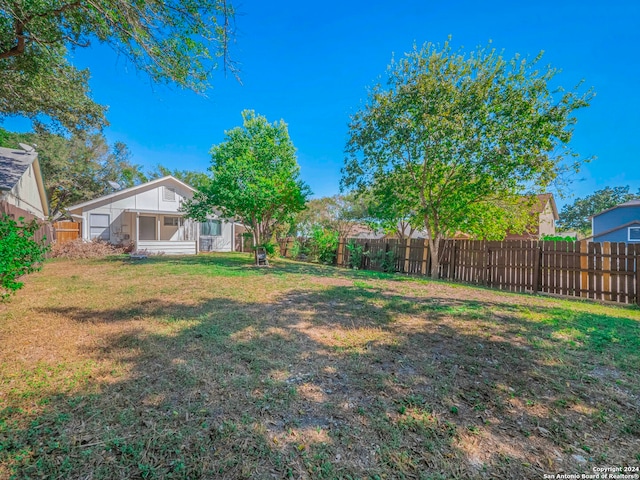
[149,217]
[22,190]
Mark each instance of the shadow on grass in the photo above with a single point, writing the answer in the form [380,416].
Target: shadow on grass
[346,382]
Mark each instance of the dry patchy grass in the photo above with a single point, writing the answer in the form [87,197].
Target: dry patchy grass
[205,367]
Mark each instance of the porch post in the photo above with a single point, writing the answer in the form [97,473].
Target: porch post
[158,228]
[137,229]
[233,236]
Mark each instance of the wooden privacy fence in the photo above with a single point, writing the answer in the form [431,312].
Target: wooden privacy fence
[66,231]
[601,271]
[45,231]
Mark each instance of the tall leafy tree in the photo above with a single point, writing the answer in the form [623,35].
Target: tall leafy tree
[254,177]
[77,168]
[575,216]
[462,135]
[177,41]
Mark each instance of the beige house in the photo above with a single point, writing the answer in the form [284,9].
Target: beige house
[545,214]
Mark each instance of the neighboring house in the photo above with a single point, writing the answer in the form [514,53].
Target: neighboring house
[617,224]
[149,217]
[22,192]
[545,214]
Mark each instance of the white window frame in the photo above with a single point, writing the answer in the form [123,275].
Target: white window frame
[637,239]
[169,194]
[175,221]
[105,234]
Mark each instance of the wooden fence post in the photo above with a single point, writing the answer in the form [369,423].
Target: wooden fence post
[340,256]
[584,267]
[452,267]
[537,267]
[606,270]
[407,254]
[485,263]
[425,257]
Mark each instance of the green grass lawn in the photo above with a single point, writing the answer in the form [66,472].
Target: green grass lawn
[207,367]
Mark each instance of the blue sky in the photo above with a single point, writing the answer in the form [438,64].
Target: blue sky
[310,63]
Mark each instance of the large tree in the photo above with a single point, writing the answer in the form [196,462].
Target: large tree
[175,41]
[575,216]
[462,135]
[255,178]
[78,167]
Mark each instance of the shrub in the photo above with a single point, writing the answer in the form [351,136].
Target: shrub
[325,244]
[356,254]
[20,253]
[270,248]
[386,260]
[558,238]
[296,249]
[82,249]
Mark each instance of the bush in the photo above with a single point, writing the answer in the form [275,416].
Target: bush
[325,243]
[356,254]
[20,253]
[82,249]
[558,238]
[386,260]
[270,248]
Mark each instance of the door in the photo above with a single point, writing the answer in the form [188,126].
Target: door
[147,228]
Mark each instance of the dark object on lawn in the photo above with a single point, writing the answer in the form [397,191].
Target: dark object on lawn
[261,257]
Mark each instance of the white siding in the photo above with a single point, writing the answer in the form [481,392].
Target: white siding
[25,194]
[152,201]
[167,248]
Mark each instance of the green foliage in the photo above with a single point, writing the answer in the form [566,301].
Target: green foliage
[558,238]
[575,216]
[77,168]
[170,41]
[385,260]
[269,247]
[20,254]
[296,249]
[324,244]
[455,138]
[255,178]
[339,212]
[356,255]
[192,178]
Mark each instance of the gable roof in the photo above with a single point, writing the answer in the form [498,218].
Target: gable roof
[541,204]
[131,191]
[14,162]
[631,203]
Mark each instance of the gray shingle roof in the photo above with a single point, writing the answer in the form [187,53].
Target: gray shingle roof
[13,163]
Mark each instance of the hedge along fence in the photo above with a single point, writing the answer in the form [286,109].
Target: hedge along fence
[601,271]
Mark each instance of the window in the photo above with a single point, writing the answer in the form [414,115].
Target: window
[171,221]
[211,228]
[634,234]
[99,226]
[169,194]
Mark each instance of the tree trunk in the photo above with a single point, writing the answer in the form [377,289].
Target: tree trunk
[256,241]
[434,246]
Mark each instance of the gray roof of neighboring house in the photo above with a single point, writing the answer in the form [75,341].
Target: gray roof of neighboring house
[631,203]
[13,163]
